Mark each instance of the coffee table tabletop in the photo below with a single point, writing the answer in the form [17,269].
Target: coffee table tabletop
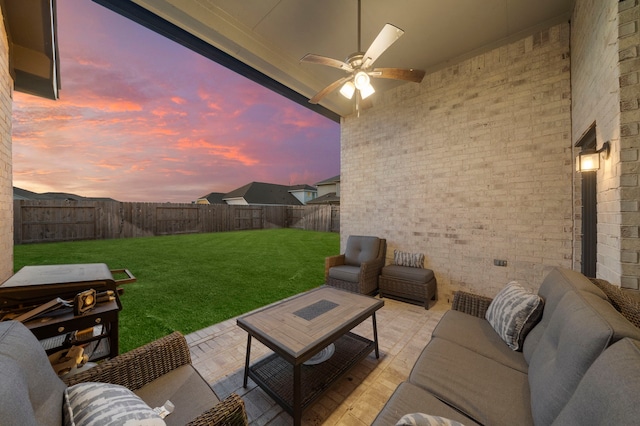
[298,328]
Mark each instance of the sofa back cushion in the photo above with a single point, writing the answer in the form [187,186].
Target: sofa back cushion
[555,285]
[608,392]
[582,326]
[30,391]
[361,249]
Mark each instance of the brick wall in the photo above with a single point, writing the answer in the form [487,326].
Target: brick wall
[6,191]
[473,164]
[629,65]
[596,98]
[605,91]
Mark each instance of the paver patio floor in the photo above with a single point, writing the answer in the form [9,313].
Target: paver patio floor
[218,352]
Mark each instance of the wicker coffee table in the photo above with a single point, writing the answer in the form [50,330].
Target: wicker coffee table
[298,328]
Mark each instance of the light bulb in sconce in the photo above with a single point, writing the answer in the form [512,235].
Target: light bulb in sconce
[589,161]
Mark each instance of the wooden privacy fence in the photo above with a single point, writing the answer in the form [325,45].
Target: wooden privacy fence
[54,220]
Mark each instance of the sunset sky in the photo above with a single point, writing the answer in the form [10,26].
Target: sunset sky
[141,118]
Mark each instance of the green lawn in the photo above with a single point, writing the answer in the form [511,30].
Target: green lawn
[188,282]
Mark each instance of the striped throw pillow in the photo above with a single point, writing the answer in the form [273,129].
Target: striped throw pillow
[513,313]
[421,419]
[414,260]
[98,404]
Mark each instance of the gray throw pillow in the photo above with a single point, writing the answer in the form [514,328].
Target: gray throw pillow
[513,313]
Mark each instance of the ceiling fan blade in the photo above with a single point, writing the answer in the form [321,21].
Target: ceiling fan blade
[330,88]
[323,60]
[387,36]
[398,74]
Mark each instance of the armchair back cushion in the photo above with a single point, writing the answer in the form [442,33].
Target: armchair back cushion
[35,393]
[361,249]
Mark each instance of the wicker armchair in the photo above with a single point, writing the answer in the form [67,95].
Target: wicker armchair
[357,270]
[147,363]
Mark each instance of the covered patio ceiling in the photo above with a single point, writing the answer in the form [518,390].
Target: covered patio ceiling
[265,39]
[33,46]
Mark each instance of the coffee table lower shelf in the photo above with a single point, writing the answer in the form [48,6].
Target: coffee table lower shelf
[275,375]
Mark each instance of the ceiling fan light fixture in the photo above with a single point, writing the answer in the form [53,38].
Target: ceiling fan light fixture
[361,80]
[367,91]
[348,89]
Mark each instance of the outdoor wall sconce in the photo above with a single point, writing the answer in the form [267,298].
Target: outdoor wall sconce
[589,160]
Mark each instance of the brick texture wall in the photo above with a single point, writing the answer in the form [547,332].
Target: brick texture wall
[473,164]
[629,66]
[606,91]
[596,99]
[6,191]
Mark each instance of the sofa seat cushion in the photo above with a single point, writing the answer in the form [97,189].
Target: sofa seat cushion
[32,393]
[477,335]
[608,392]
[361,249]
[185,388]
[407,273]
[479,387]
[409,398]
[345,273]
[583,325]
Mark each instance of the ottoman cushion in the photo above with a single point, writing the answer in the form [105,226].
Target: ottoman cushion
[407,273]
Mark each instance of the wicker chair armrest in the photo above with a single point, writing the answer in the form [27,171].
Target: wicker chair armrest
[371,269]
[472,304]
[628,306]
[140,366]
[332,261]
[230,411]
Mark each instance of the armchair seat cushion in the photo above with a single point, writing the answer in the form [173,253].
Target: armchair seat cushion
[345,273]
[185,388]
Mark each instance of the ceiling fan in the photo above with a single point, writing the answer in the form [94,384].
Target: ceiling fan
[358,66]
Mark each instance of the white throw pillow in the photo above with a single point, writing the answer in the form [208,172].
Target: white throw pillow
[513,313]
[98,404]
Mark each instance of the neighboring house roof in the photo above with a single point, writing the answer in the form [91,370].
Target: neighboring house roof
[302,187]
[260,193]
[329,198]
[23,194]
[330,181]
[213,198]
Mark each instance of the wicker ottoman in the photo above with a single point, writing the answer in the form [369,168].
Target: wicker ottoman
[413,285]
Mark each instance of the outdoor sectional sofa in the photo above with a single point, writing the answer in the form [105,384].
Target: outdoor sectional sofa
[32,394]
[580,364]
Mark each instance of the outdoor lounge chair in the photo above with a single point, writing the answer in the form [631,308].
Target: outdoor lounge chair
[358,268]
[31,392]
